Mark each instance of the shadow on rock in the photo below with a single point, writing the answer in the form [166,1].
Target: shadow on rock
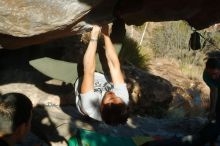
[44,127]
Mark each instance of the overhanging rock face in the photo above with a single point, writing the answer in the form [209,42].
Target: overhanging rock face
[198,13]
[28,22]
[25,18]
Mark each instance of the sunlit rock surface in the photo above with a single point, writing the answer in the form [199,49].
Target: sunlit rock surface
[29,22]
[23,18]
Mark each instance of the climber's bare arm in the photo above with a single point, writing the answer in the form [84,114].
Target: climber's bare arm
[89,61]
[112,58]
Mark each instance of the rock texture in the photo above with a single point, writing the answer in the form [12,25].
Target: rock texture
[149,94]
[24,18]
[190,97]
[28,22]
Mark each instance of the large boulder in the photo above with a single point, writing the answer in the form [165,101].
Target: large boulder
[25,23]
[22,18]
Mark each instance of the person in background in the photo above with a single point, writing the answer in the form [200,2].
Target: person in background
[211,77]
[103,98]
[15,118]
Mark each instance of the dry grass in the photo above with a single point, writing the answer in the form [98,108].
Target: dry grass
[192,71]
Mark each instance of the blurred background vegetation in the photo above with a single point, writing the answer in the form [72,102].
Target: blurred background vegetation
[169,40]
